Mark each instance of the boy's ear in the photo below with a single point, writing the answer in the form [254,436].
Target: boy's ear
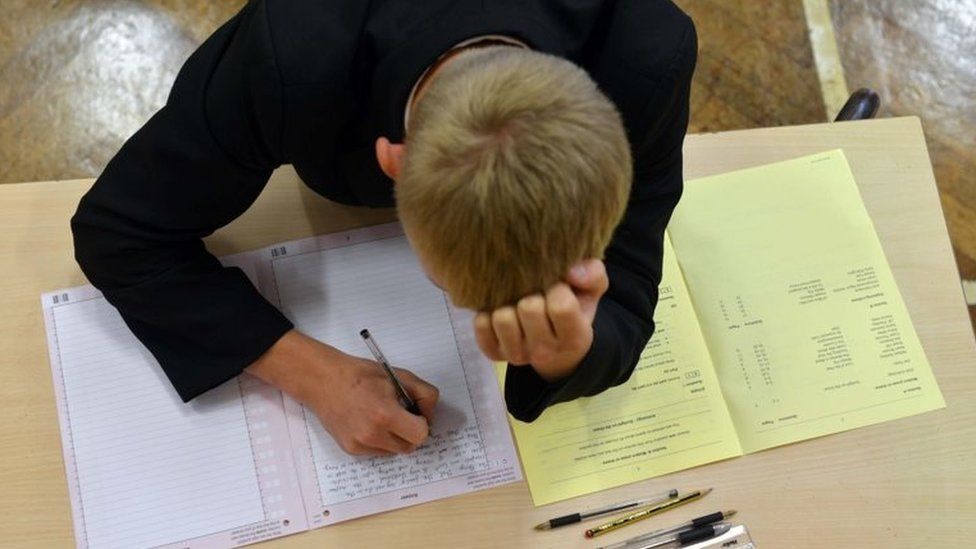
[390,157]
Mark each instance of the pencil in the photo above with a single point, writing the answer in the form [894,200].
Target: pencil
[645,513]
[583,515]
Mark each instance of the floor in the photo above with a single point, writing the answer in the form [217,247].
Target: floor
[81,75]
[920,55]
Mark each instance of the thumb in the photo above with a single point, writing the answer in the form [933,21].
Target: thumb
[589,282]
[588,277]
[423,393]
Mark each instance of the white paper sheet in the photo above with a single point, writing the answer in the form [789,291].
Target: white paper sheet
[333,286]
[243,463]
[145,469]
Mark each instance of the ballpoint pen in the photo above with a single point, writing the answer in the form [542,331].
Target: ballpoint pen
[687,538]
[402,395]
[689,525]
[584,515]
[645,513]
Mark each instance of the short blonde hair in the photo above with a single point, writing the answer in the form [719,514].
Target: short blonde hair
[516,167]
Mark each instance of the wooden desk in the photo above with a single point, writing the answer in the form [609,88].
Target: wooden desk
[891,485]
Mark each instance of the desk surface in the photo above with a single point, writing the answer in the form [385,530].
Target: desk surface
[892,484]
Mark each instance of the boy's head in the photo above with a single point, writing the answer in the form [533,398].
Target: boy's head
[515,167]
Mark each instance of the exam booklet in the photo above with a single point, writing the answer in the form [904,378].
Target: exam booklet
[243,462]
[778,321]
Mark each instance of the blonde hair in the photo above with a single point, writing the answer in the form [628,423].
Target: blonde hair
[516,167]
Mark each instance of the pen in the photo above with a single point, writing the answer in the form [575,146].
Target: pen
[402,395]
[690,525]
[645,513]
[577,517]
[689,537]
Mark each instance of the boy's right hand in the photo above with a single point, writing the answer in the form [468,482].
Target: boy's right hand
[352,397]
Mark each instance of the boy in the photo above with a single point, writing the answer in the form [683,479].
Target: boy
[515,171]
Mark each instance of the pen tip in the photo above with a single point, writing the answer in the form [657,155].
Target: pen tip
[543,526]
[364,332]
[730,513]
[706,491]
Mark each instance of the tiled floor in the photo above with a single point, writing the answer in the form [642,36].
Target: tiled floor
[755,67]
[79,76]
[84,74]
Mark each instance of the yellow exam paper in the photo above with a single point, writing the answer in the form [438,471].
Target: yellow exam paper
[806,327]
[669,416]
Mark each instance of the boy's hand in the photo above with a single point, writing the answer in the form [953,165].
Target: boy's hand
[352,397]
[551,332]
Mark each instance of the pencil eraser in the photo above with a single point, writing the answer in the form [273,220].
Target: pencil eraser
[589,533]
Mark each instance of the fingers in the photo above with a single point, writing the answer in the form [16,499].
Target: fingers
[589,277]
[506,325]
[540,340]
[589,281]
[589,274]
[396,421]
[396,430]
[384,443]
[563,310]
[423,393]
[485,335]
[535,330]
[547,331]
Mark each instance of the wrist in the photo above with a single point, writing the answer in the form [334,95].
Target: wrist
[567,362]
[289,364]
[554,373]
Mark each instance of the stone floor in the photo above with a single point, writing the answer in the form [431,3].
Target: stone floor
[79,76]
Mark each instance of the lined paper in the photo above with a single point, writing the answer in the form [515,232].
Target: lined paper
[149,469]
[331,295]
[242,463]
[331,287]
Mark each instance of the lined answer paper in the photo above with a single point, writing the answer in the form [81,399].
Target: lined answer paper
[331,288]
[242,463]
[150,469]
[145,469]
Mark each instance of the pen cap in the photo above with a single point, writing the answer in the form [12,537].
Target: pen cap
[707,519]
[703,532]
[563,521]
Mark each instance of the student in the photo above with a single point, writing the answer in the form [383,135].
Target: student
[521,136]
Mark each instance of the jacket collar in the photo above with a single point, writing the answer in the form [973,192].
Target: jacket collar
[398,71]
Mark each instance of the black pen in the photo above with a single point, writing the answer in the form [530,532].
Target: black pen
[689,537]
[683,527]
[402,395]
[577,517]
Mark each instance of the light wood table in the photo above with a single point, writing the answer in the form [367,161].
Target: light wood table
[902,483]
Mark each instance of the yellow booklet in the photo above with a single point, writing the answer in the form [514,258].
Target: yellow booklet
[778,321]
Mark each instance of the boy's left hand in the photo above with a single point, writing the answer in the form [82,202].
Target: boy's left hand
[552,332]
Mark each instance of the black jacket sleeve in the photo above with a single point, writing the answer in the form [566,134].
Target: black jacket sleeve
[195,166]
[624,318]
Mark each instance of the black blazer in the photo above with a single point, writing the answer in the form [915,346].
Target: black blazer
[313,83]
